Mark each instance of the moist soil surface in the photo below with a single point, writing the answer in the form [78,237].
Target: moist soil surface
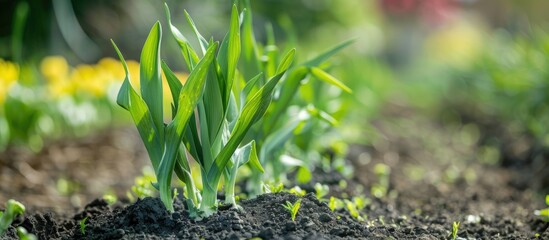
[439,174]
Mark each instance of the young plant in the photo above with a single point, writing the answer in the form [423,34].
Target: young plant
[83,225]
[23,234]
[13,209]
[544,213]
[293,208]
[207,123]
[455,229]
[335,203]
[280,126]
[353,210]
[321,190]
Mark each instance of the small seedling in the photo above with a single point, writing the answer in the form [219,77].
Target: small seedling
[110,198]
[83,225]
[361,202]
[544,213]
[321,190]
[297,191]
[455,229]
[335,203]
[273,188]
[13,208]
[293,208]
[353,210]
[23,234]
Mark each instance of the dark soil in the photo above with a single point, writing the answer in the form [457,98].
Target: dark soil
[439,175]
[67,174]
[262,217]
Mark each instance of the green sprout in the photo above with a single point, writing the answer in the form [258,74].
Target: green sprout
[23,234]
[83,225]
[13,209]
[212,112]
[353,210]
[273,188]
[321,190]
[455,229]
[335,203]
[293,208]
[544,213]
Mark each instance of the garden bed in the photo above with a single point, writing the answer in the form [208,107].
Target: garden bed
[489,205]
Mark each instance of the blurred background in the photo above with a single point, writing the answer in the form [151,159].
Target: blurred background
[465,81]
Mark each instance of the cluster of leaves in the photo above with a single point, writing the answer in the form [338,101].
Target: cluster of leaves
[217,115]
[209,118]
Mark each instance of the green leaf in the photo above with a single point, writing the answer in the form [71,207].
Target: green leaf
[201,40]
[286,61]
[145,126]
[251,113]
[173,82]
[123,99]
[324,56]
[187,51]
[248,154]
[131,101]
[250,56]
[188,99]
[326,77]
[151,79]
[303,175]
[233,53]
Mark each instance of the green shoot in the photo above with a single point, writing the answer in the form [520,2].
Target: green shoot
[13,209]
[335,203]
[361,202]
[293,208]
[297,191]
[353,210]
[455,229]
[110,198]
[83,225]
[23,234]
[321,190]
[544,213]
[273,188]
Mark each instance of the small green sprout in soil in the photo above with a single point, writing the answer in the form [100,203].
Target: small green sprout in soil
[544,213]
[293,208]
[353,210]
[13,209]
[23,234]
[455,229]
[83,225]
[321,190]
[273,188]
[381,188]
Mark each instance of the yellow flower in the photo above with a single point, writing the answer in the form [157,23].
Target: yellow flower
[54,68]
[9,74]
[89,80]
[112,67]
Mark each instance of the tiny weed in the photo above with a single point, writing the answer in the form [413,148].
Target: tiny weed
[321,190]
[83,225]
[293,208]
[455,229]
[13,208]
